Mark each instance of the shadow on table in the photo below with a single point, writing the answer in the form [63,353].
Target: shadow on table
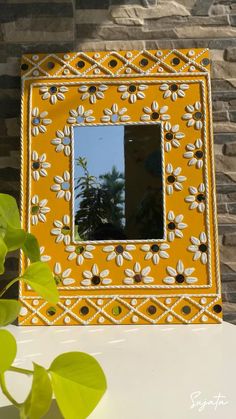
[10,412]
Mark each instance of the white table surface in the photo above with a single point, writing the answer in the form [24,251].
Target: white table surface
[152,371]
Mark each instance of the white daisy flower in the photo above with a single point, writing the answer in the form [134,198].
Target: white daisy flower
[174,179]
[39,121]
[179,275]
[94,277]
[155,251]
[43,257]
[195,154]
[194,116]
[115,114]
[197,197]
[153,113]
[175,225]
[174,90]
[119,253]
[80,253]
[62,186]
[132,92]
[38,210]
[92,92]
[53,93]
[80,116]
[63,141]
[137,275]
[62,230]
[199,247]
[61,276]
[39,165]
[172,136]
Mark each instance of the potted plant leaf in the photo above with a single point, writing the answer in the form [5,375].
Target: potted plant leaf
[75,379]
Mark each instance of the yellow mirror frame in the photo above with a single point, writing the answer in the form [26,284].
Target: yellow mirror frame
[168,281]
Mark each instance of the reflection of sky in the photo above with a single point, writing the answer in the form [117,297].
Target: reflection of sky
[102,146]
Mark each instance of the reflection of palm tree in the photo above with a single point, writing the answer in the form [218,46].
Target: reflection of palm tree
[113,184]
[100,202]
[92,209]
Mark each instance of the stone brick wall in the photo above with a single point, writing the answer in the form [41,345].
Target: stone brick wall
[63,25]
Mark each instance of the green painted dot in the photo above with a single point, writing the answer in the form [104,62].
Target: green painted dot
[116,310]
[57,279]
[51,311]
[34,209]
[65,229]
[79,250]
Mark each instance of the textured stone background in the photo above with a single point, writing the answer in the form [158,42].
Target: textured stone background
[63,25]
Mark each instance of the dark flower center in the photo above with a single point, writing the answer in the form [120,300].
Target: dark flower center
[36,165]
[169,136]
[200,197]
[203,247]
[96,280]
[197,116]
[132,88]
[138,278]
[53,89]
[173,87]
[155,115]
[155,248]
[119,249]
[36,121]
[171,225]
[171,179]
[199,154]
[179,278]
[92,89]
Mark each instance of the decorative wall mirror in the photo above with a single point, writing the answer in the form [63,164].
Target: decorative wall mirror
[118,186]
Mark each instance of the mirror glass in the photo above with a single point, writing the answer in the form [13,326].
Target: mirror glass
[118,182]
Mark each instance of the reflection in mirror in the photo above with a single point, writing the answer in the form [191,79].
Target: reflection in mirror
[118,182]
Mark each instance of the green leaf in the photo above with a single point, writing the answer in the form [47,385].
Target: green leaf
[3,252]
[9,310]
[39,276]
[39,399]
[14,238]
[8,350]
[9,210]
[31,248]
[78,383]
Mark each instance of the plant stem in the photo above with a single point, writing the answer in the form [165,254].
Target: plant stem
[21,370]
[8,286]
[6,392]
